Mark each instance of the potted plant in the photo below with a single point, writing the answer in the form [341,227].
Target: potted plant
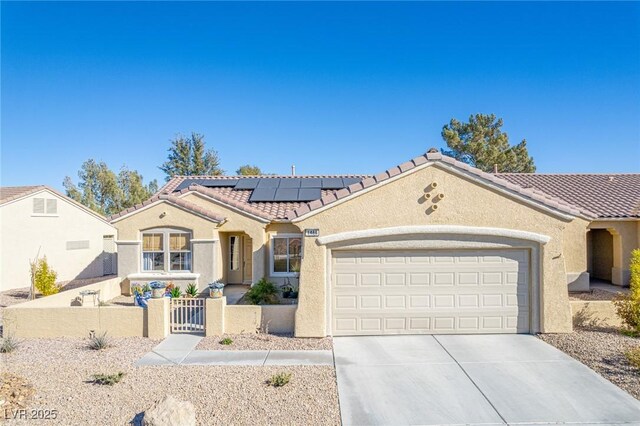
[146,291]
[216,290]
[157,289]
[176,292]
[294,291]
[286,291]
[191,290]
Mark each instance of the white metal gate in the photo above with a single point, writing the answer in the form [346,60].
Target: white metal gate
[187,315]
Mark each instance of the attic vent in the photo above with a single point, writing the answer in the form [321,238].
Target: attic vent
[52,206]
[38,206]
[78,245]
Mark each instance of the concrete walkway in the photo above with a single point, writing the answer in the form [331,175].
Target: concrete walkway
[179,349]
[473,380]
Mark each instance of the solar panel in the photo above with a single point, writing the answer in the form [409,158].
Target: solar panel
[290,183]
[217,183]
[268,183]
[249,183]
[311,183]
[286,194]
[184,184]
[350,181]
[309,194]
[262,194]
[332,183]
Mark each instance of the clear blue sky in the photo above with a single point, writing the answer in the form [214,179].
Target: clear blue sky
[331,87]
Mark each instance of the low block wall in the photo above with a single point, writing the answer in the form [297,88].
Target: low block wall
[234,319]
[108,290]
[54,316]
[75,321]
[594,313]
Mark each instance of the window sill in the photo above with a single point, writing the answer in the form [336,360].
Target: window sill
[163,275]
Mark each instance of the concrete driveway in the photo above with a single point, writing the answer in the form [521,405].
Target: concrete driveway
[482,379]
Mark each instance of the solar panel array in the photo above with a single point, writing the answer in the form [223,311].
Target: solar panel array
[275,189]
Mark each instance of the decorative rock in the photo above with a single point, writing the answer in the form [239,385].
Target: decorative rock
[170,412]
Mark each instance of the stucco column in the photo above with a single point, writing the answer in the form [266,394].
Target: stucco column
[215,316]
[258,267]
[311,312]
[129,257]
[555,312]
[158,318]
[204,261]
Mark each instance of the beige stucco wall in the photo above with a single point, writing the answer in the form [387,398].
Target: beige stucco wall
[222,318]
[626,238]
[117,321]
[130,227]
[236,222]
[23,235]
[594,313]
[401,203]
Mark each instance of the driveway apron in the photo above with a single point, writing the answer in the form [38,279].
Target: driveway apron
[479,379]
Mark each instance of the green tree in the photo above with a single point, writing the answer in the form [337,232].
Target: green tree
[100,189]
[481,143]
[188,156]
[248,170]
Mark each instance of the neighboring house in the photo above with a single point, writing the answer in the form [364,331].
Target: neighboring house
[430,246]
[39,221]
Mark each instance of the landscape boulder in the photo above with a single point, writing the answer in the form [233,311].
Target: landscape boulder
[170,412]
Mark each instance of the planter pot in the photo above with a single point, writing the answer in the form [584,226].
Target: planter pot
[157,293]
[286,294]
[215,293]
[294,295]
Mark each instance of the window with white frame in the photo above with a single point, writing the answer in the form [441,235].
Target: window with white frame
[166,250]
[286,255]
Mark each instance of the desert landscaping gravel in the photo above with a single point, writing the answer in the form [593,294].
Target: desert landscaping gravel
[593,295]
[261,341]
[59,370]
[602,350]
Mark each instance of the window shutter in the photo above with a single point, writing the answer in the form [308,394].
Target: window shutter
[52,206]
[38,205]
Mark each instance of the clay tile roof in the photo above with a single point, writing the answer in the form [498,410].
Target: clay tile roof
[171,199]
[9,193]
[435,156]
[239,198]
[606,195]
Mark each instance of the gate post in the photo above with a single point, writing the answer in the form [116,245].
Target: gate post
[158,318]
[214,319]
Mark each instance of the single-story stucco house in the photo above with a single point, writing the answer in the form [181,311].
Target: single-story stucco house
[430,246]
[38,221]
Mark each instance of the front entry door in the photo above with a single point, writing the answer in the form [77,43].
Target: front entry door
[235,260]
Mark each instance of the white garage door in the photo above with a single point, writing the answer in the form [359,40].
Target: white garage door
[425,292]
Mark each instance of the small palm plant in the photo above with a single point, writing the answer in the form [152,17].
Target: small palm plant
[191,290]
[176,292]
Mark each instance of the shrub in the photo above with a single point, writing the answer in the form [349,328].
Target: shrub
[628,305]
[279,380]
[99,342]
[8,344]
[192,290]
[107,379]
[633,356]
[44,278]
[226,341]
[263,291]
[175,292]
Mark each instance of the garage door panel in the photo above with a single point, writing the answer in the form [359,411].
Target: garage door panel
[404,292]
